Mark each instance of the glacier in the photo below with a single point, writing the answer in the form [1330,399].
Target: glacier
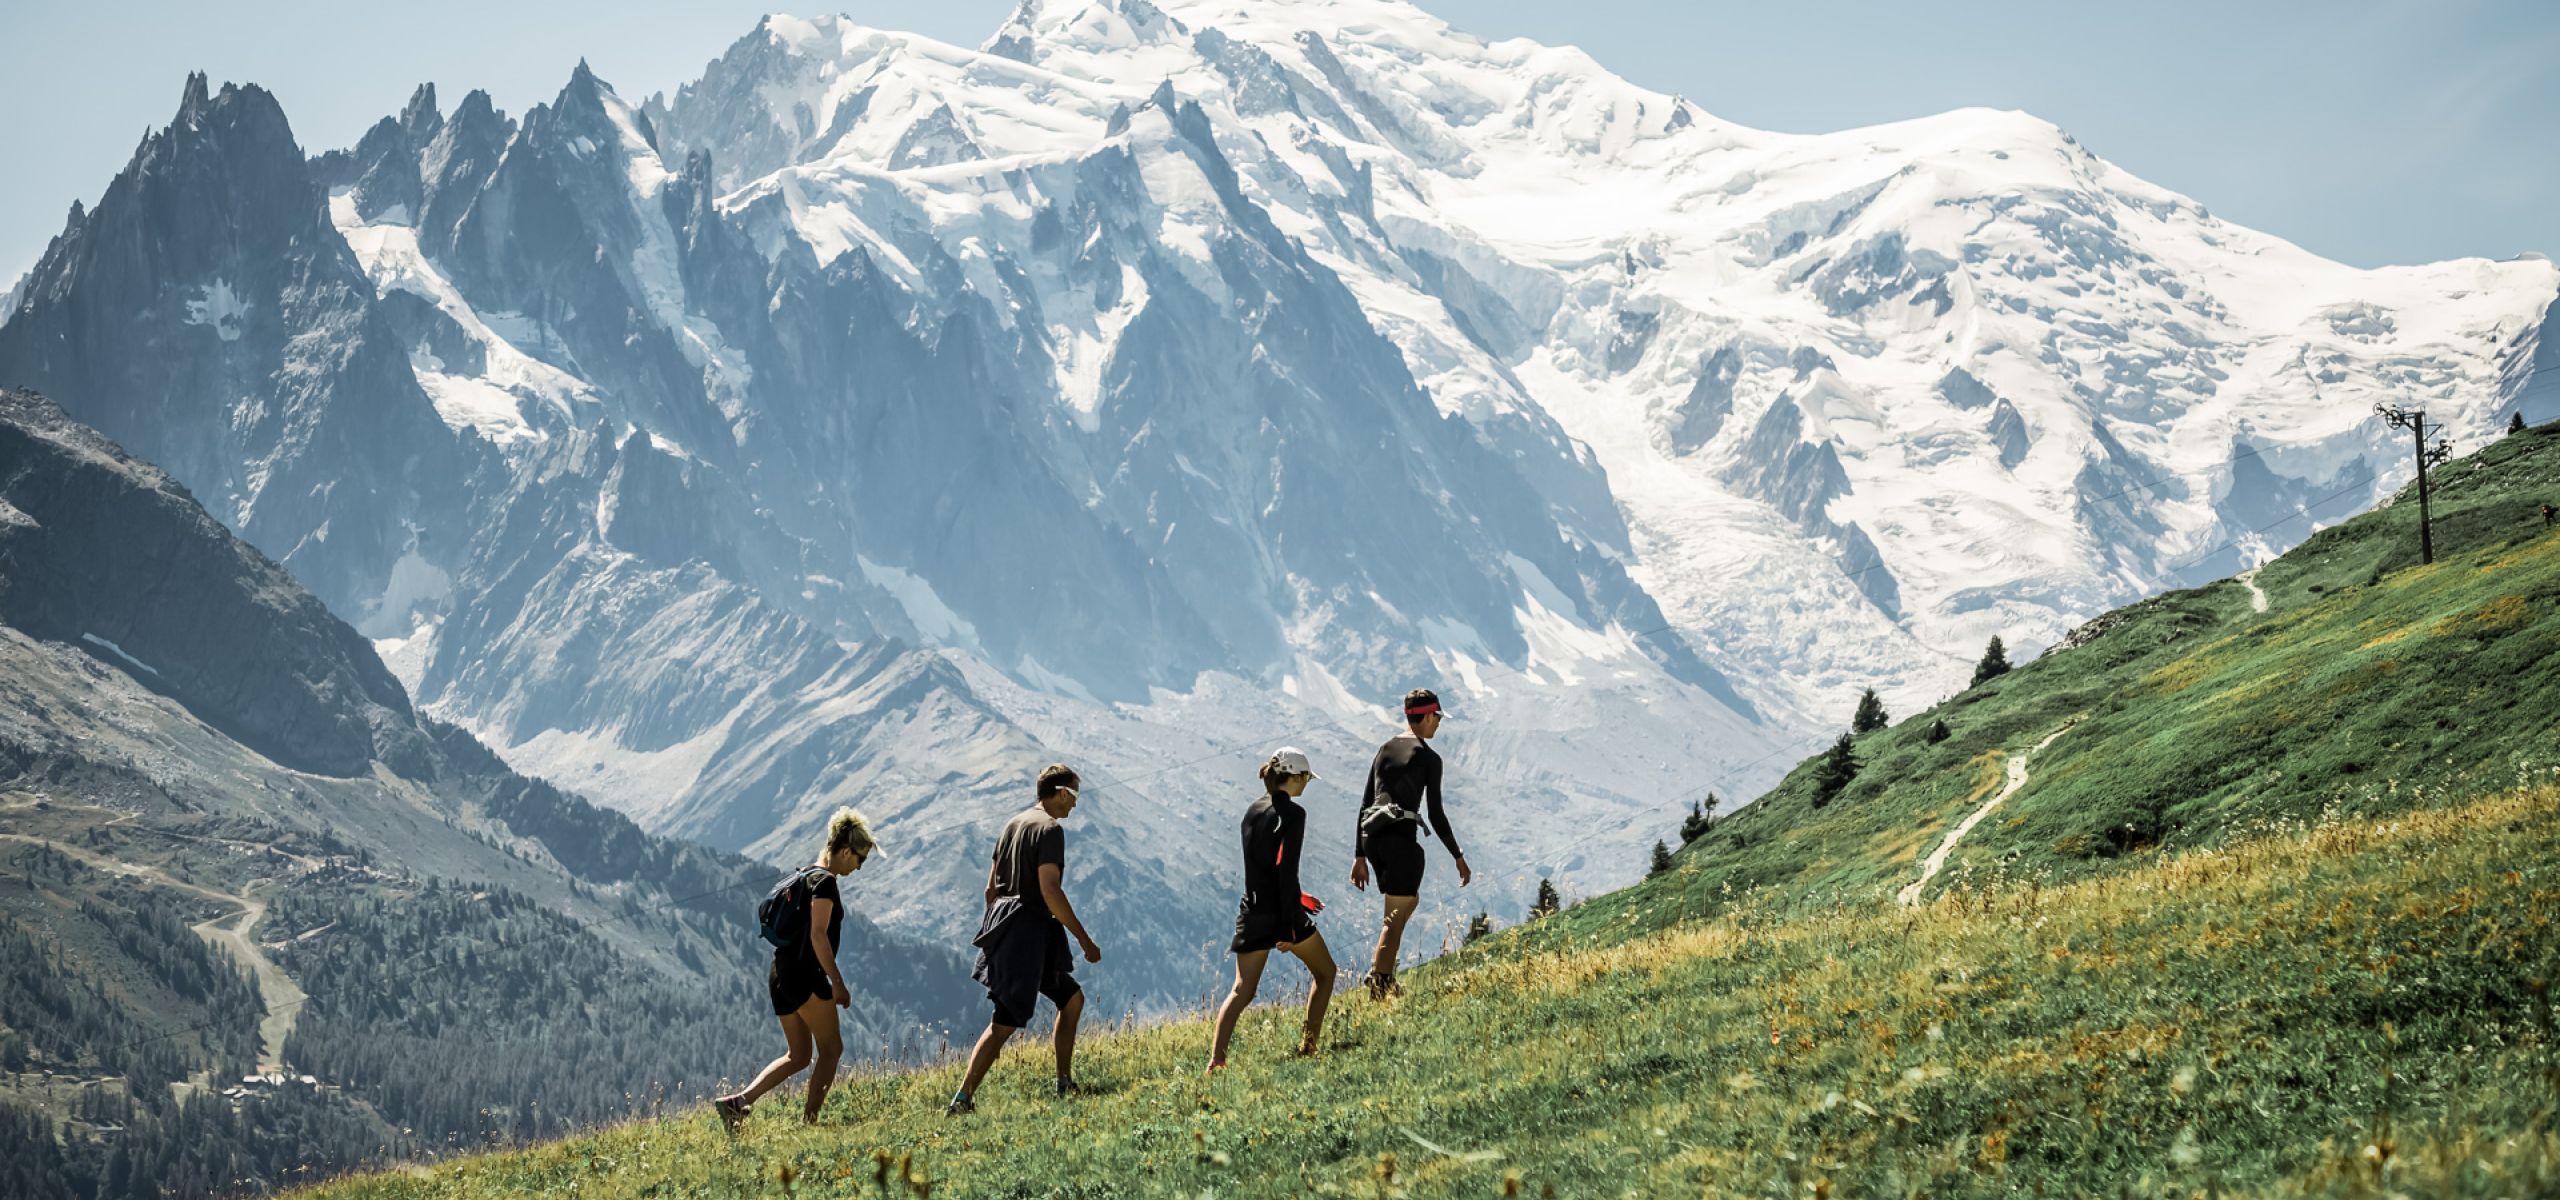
[873,420]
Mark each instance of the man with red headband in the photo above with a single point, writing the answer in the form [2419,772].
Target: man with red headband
[1404,783]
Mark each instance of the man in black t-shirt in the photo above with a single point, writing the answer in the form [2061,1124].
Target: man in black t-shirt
[1404,785]
[1022,938]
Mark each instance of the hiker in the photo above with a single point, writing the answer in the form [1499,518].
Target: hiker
[804,983]
[1402,779]
[1274,914]
[2546,516]
[1022,938]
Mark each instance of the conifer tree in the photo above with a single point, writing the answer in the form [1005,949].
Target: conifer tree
[1662,860]
[1994,664]
[1938,731]
[1548,902]
[2515,423]
[1701,819]
[1838,768]
[1479,927]
[1871,715]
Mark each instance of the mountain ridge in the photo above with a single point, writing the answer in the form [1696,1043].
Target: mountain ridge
[203,770]
[1192,371]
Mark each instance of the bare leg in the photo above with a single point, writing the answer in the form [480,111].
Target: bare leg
[1319,960]
[1068,1015]
[1382,965]
[1248,981]
[983,1055]
[828,1044]
[795,1033]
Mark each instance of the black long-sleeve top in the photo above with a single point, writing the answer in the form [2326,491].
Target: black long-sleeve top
[1275,827]
[1406,773]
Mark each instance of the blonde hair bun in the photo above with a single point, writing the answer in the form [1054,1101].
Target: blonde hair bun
[848,830]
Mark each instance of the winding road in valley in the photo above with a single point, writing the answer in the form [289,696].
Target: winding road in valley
[230,932]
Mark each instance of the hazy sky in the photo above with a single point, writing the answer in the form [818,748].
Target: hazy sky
[2372,131]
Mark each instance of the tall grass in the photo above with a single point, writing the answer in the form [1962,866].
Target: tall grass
[2333,1006]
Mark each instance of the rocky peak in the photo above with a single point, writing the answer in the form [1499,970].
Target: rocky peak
[192,104]
[455,162]
[176,317]
[383,173]
[420,117]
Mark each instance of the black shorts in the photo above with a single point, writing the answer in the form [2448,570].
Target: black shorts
[1265,929]
[794,979]
[1023,961]
[1397,864]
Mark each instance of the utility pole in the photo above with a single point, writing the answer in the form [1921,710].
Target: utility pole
[2415,421]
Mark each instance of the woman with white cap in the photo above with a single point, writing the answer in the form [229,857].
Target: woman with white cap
[1274,914]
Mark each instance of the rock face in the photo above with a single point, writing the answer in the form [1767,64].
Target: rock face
[100,551]
[874,420]
[206,314]
[104,556]
[203,770]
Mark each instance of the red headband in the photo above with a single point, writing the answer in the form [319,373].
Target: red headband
[1421,710]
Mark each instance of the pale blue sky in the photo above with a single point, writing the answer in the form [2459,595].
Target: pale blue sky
[2372,131]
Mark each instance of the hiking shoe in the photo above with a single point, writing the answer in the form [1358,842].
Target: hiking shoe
[1069,1087]
[732,1113]
[960,1108]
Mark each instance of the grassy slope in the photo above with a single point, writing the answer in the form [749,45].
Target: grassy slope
[2318,956]
[2371,685]
[2253,1015]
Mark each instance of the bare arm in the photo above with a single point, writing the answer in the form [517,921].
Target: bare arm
[1054,892]
[821,914]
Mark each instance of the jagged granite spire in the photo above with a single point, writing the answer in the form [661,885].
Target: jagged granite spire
[420,116]
[177,316]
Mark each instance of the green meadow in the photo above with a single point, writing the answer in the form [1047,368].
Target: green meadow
[2276,912]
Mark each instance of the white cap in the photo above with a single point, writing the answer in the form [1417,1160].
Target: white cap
[1294,761]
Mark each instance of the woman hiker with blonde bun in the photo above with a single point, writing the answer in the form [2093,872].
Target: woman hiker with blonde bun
[1274,914]
[804,919]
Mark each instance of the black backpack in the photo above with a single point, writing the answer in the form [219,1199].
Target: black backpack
[783,918]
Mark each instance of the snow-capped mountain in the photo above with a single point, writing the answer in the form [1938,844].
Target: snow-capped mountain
[875,419]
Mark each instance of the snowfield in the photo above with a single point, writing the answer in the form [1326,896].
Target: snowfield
[1992,331]
[874,420]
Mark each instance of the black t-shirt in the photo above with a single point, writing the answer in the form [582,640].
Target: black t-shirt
[824,889]
[1406,773]
[1030,840]
[1275,826]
